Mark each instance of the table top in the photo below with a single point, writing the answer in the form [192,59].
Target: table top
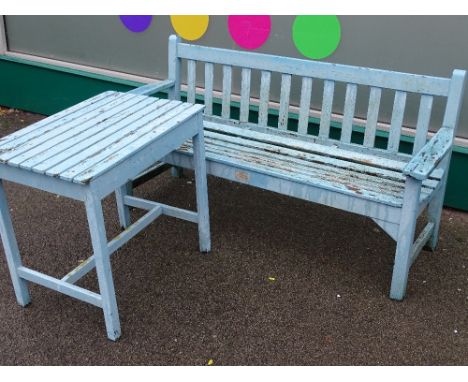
[88,139]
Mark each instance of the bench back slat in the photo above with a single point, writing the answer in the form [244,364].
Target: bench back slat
[348,114]
[264,98]
[322,70]
[327,105]
[332,76]
[209,88]
[191,80]
[284,101]
[245,95]
[372,116]
[173,66]
[397,121]
[304,108]
[422,125]
[227,85]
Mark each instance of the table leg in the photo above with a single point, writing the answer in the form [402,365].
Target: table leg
[11,250]
[122,209]
[202,192]
[103,265]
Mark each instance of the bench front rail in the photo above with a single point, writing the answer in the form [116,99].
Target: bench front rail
[389,186]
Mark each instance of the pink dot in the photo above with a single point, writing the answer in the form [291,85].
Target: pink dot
[249,32]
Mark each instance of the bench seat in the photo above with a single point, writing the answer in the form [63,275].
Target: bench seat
[357,174]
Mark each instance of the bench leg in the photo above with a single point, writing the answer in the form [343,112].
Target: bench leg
[409,215]
[11,251]
[202,192]
[434,214]
[177,172]
[103,266]
[122,209]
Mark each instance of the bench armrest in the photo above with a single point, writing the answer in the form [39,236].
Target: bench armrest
[426,160]
[153,88]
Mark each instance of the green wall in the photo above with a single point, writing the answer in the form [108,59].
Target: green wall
[46,89]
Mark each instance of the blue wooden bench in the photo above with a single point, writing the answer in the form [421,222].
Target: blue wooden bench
[391,187]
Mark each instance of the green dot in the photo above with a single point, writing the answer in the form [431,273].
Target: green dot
[316,36]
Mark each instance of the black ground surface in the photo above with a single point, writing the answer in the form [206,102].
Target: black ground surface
[328,304]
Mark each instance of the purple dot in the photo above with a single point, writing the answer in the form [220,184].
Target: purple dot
[136,23]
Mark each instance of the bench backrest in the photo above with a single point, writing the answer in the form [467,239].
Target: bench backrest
[353,77]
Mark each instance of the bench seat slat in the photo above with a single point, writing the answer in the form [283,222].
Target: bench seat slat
[306,172]
[308,146]
[341,165]
[354,180]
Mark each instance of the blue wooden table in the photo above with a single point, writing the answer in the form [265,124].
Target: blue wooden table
[87,152]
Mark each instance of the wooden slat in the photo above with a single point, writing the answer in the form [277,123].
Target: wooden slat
[69,126]
[173,66]
[326,177]
[75,155]
[422,126]
[115,153]
[398,114]
[304,107]
[208,88]
[309,146]
[227,81]
[59,151]
[322,70]
[191,80]
[95,160]
[327,105]
[284,101]
[372,116]
[50,123]
[348,114]
[245,95]
[377,152]
[264,98]
[339,165]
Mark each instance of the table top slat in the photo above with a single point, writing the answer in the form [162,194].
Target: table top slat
[96,146]
[75,131]
[120,150]
[94,136]
[17,138]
